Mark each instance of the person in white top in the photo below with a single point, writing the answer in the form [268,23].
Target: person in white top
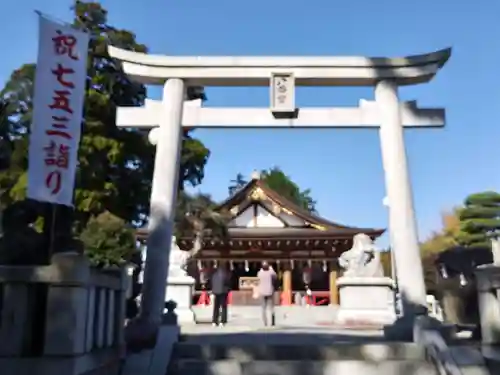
[267,285]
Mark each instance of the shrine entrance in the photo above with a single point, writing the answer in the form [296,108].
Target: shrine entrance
[264,226]
[282,74]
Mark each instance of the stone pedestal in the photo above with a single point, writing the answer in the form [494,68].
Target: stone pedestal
[180,290]
[488,289]
[366,300]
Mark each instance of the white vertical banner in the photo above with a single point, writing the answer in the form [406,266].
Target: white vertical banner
[61,73]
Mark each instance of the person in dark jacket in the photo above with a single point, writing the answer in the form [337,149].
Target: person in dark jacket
[220,290]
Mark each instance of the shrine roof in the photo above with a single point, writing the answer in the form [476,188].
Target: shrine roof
[296,233]
[257,212]
[257,191]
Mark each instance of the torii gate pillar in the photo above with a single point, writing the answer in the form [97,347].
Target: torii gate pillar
[163,200]
[402,220]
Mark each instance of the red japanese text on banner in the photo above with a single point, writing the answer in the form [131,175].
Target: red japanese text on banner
[61,73]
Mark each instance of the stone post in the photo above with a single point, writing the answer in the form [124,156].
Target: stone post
[163,200]
[402,222]
[495,250]
[488,286]
[67,307]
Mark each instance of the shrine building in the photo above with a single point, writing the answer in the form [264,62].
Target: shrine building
[302,247]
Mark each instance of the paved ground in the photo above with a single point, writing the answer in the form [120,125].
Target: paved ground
[294,324]
[285,315]
[320,317]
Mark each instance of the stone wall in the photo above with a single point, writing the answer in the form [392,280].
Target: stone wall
[64,318]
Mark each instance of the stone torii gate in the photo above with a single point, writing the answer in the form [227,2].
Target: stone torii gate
[281,74]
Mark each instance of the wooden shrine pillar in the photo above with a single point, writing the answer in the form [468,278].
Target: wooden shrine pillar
[334,291]
[286,297]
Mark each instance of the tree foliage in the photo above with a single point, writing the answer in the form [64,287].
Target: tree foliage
[445,238]
[196,218]
[20,243]
[194,157]
[195,215]
[278,181]
[236,184]
[5,144]
[115,165]
[437,242]
[480,219]
[428,260]
[108,240]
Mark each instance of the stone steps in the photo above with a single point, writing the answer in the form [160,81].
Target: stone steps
[308,352]
[297,358]
[298,367]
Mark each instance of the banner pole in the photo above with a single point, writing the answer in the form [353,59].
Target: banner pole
[53,230]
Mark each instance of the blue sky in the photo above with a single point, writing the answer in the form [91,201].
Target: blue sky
[343,168]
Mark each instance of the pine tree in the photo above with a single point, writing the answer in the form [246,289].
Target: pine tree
[480,219]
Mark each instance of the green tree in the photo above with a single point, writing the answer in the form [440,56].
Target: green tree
[237,183]
[16,120]
[446,237]
[480,219]
[196,218]
[115,165]
[5,146]
[278,181]
[108,240]
[427,264]
[21,244]
[437,242]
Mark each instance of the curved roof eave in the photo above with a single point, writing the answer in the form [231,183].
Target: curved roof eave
[257,70]
[438,57]
[304,215]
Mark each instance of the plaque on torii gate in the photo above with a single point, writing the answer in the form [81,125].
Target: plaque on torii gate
[281,75]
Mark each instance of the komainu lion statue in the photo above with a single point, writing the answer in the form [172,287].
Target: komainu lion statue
[179,259]
[363,259]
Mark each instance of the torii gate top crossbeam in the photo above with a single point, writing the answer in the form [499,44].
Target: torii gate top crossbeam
[257,71]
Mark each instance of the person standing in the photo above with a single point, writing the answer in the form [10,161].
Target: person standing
[220,290]
[267,283]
